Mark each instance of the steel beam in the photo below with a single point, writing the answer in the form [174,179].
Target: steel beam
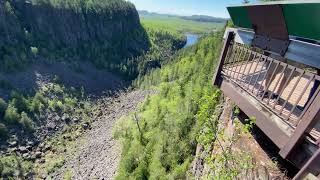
[312,166]
[308,121]
[270,128]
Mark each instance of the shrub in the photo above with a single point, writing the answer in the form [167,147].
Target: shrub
[54,164]
[55,105]
[12,165]
[11,115]
[26,122]
[7,166]
[56,79]
[37,104]
[3,106]
[68,175]
[34,50]
[19,101]
[70,103]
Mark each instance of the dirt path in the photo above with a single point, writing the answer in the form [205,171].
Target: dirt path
[97,153]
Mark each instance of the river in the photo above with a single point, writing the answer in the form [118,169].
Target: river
[191,39]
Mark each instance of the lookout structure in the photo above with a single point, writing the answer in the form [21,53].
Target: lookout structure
[269,66]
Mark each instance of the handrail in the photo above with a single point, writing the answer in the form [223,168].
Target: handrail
[298,51]
[251,71]
[286,89]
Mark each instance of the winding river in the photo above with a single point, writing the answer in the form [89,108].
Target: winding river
[191,39]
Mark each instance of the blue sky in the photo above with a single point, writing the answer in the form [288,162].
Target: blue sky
[215,8]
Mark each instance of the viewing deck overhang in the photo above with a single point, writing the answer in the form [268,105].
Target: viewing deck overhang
[283,95]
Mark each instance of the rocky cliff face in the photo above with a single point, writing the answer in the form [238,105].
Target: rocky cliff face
[237,154]
[104,32]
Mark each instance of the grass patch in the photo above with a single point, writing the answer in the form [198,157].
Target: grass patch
[53,163]
[68,175]
[176,24]
[13,166]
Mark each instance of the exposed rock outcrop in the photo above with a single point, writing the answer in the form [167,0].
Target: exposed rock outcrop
[260,166]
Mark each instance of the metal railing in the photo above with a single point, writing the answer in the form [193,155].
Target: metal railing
[282,86]
[287,89]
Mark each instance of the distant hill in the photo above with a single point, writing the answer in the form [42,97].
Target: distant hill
[144,13]
[203,18]
[198,18]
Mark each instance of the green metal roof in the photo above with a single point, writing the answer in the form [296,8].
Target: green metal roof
[302,18]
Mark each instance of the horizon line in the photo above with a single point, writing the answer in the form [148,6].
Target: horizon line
[176,14]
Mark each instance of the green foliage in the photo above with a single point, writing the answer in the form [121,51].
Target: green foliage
[68,175]
[208,116]
[37,104]
[236,111]
[164,44]
[170,121]
[12,165]
[116,39]
[54,164]
[34,50]
[19,101]
[230,24]
[248,124]
[177,24]
[127,49]
[11,115]
[224,161]
[26,122]
[25,112]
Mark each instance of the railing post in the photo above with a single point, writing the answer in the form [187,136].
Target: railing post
[307,122]
[312,166]
[217,76]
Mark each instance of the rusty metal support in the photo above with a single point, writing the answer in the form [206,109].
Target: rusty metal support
[263,122]
[217,77]
[306,124]
[312,166]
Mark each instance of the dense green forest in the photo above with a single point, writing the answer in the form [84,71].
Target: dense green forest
[22,115]
[106,33]
[28,36]
[164,44]
[160,140]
